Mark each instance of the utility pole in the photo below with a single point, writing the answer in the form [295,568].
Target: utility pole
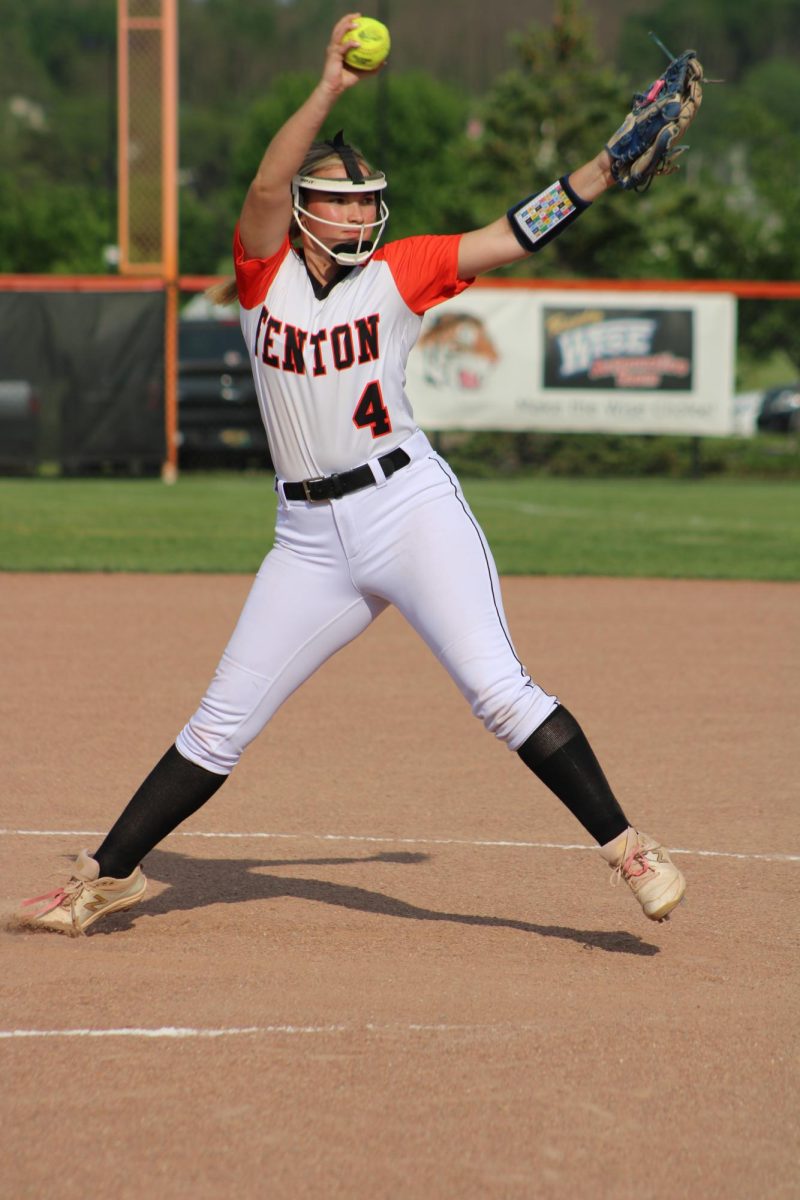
[382,127]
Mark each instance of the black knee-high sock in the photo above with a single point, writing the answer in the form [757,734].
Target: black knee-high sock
[559,754]
[173,790]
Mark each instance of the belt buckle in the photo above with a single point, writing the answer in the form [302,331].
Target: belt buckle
[307,484]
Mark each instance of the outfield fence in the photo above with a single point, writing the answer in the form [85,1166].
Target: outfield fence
[84,373]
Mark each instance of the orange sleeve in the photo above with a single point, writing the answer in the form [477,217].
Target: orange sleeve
[425,269]
[254,275]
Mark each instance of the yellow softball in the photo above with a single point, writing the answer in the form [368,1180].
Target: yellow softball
[374,44]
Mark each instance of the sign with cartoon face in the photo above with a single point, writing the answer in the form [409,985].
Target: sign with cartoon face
[457,351]
[517,357]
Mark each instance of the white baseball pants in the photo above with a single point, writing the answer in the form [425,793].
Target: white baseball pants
[410,541]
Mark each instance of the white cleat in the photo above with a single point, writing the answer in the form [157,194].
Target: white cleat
[648,870]
[82,901]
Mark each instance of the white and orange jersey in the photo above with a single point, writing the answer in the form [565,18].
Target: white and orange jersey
[329,363]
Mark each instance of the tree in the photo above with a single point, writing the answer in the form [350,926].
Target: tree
[545,116]
[51,229]
[745,145]
[734,216]
[554,111]
[731,37]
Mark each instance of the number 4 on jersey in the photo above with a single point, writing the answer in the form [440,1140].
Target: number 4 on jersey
[371,411]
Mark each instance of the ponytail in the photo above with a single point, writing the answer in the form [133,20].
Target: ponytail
[224,293]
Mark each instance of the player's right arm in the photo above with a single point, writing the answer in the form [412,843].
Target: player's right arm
[267,210]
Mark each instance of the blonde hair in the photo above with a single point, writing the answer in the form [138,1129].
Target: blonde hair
[223,293]
[318,156]
[321,154]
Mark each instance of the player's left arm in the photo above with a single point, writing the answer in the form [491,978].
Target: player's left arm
[644,146]
[497,245]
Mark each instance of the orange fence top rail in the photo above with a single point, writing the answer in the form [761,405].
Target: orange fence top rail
[745,289]
[79,283]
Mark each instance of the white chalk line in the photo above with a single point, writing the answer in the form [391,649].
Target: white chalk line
[400,841]
[178,1032]
[169,1031]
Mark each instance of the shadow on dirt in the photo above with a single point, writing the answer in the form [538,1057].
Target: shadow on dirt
[194,883]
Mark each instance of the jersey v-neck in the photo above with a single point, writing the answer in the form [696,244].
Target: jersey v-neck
[321,290]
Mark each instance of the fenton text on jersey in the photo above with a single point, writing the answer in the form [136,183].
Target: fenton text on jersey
[283,346]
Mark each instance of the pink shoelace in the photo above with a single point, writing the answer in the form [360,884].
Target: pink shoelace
[55,898]
[627,868]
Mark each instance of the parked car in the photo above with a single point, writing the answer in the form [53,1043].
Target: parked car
[219,422]
[19,424]
[780,410]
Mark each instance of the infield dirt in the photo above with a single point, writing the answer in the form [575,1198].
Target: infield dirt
[404,974]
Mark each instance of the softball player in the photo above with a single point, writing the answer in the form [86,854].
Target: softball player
[368,514]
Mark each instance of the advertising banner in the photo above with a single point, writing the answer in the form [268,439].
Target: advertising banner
[570,361]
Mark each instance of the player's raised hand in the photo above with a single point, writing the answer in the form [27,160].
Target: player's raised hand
[336,75]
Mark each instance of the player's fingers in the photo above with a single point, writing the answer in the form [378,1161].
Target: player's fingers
[336,73]
[340,43]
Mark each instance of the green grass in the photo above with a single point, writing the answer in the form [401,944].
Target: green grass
[223,522]
[656,528]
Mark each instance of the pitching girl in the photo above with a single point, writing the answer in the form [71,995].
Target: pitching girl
[368,513]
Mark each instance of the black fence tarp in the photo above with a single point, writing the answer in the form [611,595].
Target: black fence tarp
[91,364]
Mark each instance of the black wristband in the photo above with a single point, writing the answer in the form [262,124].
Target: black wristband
[536,220]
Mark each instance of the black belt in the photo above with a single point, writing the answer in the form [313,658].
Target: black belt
[331,487]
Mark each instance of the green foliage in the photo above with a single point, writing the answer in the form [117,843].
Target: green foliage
[45,229]
[757,371]
[553,112]
[57,140]
[732,212]
[51,48]
[424,123]
[607,456]
[206,233]
[731,36]
[746,141]
[223,48]
[546,116]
